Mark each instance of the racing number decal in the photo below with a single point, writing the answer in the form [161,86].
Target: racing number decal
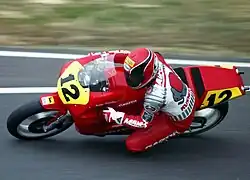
[69,89]
[219,96]
[66,92]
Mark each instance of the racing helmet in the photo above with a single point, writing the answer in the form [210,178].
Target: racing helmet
[140,68]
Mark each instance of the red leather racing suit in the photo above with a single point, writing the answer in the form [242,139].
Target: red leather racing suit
[169,107]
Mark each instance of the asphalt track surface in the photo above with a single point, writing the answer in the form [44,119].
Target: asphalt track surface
[222,153]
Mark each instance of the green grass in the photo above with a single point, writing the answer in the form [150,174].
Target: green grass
[176,25]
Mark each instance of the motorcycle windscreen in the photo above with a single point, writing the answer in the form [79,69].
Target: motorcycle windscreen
[95,75]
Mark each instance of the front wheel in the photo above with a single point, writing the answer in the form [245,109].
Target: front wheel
[36,117]
[207,119]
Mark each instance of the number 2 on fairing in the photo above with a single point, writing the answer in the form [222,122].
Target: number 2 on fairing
[219,96]
[67,92]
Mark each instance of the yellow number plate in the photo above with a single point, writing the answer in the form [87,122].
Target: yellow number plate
[69,89]
[221,95]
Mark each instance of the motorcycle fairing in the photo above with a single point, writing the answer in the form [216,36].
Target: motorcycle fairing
[213,85]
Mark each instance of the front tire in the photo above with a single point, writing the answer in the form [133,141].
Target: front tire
[38,116]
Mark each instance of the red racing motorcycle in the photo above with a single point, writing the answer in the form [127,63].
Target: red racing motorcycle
[84,88]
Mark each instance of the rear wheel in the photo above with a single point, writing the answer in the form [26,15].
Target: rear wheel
[207,119]
[27,122]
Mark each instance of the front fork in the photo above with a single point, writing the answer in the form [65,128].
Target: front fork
[57,123]
[53,102]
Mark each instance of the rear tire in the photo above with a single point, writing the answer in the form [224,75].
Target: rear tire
[222,109]
[26,111]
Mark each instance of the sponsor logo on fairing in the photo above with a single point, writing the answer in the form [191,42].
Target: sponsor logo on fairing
[106,103]
[48,100]
[127,103]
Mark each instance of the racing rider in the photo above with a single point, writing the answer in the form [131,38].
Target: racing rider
[169,104]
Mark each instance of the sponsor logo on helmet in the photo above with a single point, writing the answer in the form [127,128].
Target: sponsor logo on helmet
[129,62]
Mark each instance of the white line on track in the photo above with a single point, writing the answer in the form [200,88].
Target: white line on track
[27,90]
[39,55]
[30,90]
[75,56]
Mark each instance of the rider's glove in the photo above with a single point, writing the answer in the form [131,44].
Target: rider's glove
[112,116]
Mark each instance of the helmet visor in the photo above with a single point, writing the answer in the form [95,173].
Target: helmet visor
[136,77]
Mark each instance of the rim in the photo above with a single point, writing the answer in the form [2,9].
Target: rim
[203,119]
[38,120]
